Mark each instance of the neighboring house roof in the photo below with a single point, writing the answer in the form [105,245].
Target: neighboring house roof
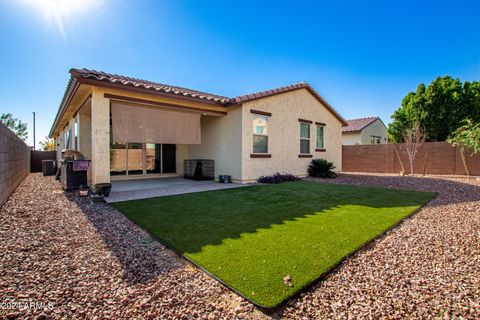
[93,77]
[357,125]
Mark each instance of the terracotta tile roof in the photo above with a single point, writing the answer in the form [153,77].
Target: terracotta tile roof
[266,93]
[295,86]
[148,85]
[357,125]
[93,77]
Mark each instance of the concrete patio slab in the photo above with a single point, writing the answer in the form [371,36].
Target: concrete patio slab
[125,190]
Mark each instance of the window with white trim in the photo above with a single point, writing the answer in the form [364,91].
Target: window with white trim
[304,138]
[260,133]
[375,139]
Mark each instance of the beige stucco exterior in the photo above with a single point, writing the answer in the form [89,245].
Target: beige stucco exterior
[226,138]
[222,142]
[377,129]
[284,135]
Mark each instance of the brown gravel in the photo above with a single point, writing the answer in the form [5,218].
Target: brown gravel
[91,262]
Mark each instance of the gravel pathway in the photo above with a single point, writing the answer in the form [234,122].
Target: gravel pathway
[76,260]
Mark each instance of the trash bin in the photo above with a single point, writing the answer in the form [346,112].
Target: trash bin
[48,167]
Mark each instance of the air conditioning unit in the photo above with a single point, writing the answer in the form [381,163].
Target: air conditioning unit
[199,169]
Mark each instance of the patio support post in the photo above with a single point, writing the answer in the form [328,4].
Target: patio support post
[100,164]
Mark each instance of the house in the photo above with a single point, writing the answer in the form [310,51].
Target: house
[369,130]
[131,128]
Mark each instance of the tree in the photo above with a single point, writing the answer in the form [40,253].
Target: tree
[413,140]
[17,126]
[467,138]
[47,144]
[440,108]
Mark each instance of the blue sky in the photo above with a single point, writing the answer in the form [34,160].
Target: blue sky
[363,57]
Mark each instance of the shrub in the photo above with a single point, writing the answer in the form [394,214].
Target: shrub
[321,168]
[278,178]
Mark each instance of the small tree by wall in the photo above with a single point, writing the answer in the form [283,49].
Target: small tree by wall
[47,144]
[467,138]
[413,138]
[17,126]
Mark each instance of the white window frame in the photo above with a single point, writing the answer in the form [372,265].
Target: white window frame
[254,116]
[305,139]
[375,139]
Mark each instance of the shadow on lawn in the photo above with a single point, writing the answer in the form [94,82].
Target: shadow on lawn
[450,190]
[141,263]
[141,256]
[190,222]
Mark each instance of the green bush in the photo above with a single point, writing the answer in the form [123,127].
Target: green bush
[321,168]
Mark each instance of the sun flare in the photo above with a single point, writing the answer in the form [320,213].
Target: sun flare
[60,12]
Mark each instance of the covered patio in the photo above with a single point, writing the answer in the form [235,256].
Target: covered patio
[133,129]
[124,190]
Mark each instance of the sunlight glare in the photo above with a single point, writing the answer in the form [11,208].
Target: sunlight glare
[59,12]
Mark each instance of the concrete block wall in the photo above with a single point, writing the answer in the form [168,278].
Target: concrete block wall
[432,158]
[14,162]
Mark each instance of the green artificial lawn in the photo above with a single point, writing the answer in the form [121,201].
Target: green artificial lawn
[252,237]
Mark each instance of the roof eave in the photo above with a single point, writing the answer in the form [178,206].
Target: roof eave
[76,80]
[303,85]
[327,105]
[72,87]
[108,84]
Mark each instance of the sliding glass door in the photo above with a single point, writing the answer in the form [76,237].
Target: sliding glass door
[169,158]
[136,159]
[153,160]
[118,159]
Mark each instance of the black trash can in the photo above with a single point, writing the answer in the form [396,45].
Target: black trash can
[48,167]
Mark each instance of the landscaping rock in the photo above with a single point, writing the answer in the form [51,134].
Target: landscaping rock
[88,261]
[288,281]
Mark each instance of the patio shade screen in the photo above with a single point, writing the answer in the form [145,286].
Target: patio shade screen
[153,125]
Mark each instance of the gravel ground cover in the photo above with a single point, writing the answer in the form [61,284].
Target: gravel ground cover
[268,242]
[92,262]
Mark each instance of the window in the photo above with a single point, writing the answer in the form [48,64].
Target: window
[153,158]
[375,139]
[118,159]
[260,133]
[134,158]
[320,144]
[68,133]
[75,130]
[304,138]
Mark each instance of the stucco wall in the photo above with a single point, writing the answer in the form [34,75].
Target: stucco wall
[351,138]
[14,162]
[284,134]
[222,142]
[225,139]
[375,129]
